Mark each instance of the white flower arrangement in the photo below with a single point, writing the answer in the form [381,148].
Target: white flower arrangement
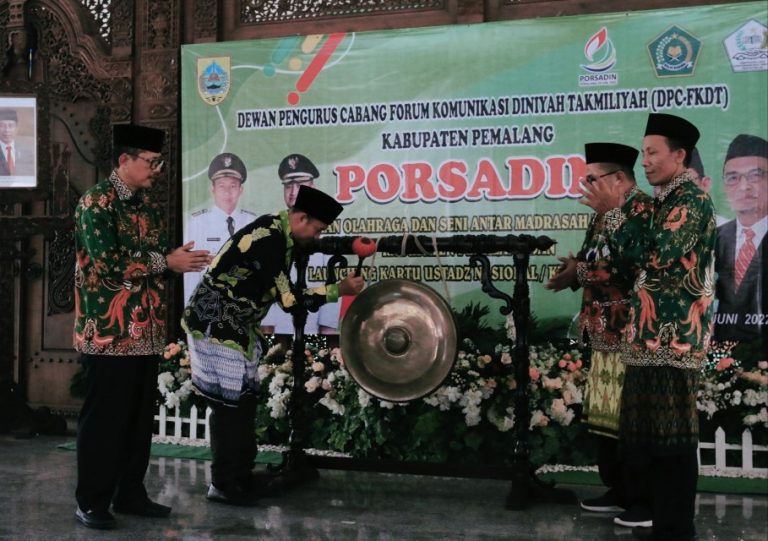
[726,387]
[174,379]
[474,405]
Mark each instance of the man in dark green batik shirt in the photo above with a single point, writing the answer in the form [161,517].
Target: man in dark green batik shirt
[123,263]
[607,280]
[666,338]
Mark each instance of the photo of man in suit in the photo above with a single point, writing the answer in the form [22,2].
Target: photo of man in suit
[17,153]
[741,249]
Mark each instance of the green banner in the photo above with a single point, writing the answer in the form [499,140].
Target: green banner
[470,129]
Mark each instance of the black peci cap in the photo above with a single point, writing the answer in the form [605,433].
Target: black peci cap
[611,153]
[296,166]
[317,204]
[674,127]
[9,114]
[141,137]
[745,145]
[227,165]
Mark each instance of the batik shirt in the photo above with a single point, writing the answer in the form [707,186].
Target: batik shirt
[670,314]
[120,244]
[250,272]
[607,278]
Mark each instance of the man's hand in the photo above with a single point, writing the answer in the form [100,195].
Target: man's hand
[602,195]
[185,259]
[351,285]
[565,276]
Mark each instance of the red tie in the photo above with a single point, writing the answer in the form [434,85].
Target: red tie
[746,253]
[9,160]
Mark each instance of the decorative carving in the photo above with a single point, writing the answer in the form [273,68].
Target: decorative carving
[4,17]
[161,25]
[206,18]
[61,261]
[270,11]
[122,24]
[23,227]
[118,68]
[162,110]
[101,126]
[74,80]
[8,270]
[159,80]
[100,11]
[122,99]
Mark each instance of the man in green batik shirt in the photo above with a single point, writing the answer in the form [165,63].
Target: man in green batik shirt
[669,328]
[123,262]
[607,281]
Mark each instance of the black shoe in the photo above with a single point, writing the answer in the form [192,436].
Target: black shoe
[100,520]
[231,497]
[606,503]
[636,517]
[262,484]
[142,508]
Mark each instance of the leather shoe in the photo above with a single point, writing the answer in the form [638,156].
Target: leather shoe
[262,484]
[100,520]
[235,496]
[142,508]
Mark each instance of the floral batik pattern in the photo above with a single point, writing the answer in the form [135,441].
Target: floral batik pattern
[120,245]
[250,272]
[670,314]
[607,277]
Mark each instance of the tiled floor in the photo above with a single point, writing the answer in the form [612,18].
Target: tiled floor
[37,503]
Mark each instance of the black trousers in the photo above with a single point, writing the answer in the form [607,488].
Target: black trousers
[629,483]
[233,443]
[673,477]
[674,495]
[114,432]
[609,464]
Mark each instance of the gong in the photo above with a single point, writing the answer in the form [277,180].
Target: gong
[398,340]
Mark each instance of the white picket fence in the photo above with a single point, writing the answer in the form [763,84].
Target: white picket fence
[192,430]
[748,452]
[195,430]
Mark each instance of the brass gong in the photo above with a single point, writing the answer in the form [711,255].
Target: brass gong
[398,340]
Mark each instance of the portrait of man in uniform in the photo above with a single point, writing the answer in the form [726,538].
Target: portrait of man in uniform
[211,227]
[296,170]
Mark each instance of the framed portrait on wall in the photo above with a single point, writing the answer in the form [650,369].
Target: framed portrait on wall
[18,142]
[25,142]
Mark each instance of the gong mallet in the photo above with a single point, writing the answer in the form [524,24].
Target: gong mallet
[363,247]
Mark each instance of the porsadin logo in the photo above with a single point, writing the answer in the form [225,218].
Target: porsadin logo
[747,48]
[601,54]
[674,53]
[213,79]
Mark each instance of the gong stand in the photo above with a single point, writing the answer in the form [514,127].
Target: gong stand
[526,487]
[295,467]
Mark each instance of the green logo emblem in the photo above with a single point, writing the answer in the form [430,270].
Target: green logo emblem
[674,53]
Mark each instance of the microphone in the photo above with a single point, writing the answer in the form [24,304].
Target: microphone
[362,247]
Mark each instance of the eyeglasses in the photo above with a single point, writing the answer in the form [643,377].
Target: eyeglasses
[154,163]
[592,178]
[753,177]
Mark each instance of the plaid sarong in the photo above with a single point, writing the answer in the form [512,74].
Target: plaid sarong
[221,373]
